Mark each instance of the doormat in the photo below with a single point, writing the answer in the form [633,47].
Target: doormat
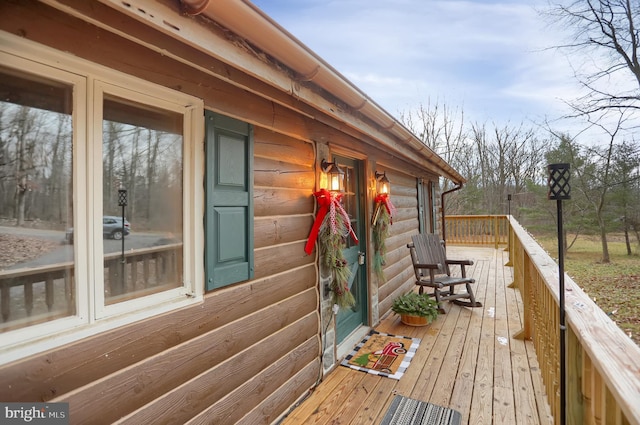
[404,410]
[383,354]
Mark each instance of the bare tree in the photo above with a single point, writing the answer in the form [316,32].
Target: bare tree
[57,161]
[508,160]
[153,141]
[597,182]
[625,189]
[605,34]
[26,130]
[441,128]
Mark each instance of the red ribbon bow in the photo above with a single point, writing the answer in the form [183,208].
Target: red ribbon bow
[328,202]
[384,199]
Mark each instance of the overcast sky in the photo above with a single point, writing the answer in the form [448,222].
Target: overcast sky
[490,58]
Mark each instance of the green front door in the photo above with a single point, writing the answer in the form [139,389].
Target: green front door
[350,319]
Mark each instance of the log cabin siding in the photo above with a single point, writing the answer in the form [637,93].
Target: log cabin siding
[284,179]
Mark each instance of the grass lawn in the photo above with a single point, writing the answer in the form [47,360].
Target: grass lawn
[615,286]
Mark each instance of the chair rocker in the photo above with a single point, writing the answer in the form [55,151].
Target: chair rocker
[431,268]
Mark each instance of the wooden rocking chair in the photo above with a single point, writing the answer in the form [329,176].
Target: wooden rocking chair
[431,268]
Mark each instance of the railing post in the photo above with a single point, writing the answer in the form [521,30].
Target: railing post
[522,280]
[509,248]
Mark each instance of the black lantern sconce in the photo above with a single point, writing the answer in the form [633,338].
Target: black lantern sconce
[335,175]
[383,183]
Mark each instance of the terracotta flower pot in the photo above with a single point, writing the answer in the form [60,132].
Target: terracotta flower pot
[414,320]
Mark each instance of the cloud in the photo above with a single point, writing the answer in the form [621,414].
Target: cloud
[489,57]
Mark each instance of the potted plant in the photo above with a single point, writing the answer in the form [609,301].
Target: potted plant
[415,309]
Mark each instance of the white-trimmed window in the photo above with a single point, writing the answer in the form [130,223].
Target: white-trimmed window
[100,199]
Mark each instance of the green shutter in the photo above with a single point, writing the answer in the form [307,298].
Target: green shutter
[229,207]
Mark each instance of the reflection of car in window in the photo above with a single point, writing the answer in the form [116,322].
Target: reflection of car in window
[111,228]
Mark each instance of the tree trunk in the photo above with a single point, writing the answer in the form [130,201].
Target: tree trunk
[605,244]
[21,192]
[626,239]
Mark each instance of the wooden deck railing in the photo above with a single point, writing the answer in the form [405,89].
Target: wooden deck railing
[53,285]
[477,230]
[603,364]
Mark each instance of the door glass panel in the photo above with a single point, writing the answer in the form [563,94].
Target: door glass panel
[350,200]
[142,153]
[350,319]
[36,200]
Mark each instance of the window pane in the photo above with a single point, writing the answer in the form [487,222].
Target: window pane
[142,154]
[36,201]
[349,200]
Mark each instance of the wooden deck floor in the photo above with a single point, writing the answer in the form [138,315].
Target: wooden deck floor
[467,361]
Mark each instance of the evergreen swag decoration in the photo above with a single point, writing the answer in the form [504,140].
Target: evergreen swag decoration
[380,235]
[381,220]
[331,228]
[331,245]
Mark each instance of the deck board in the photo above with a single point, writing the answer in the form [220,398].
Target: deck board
[462,362]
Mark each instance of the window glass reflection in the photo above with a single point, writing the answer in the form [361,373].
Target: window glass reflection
[142,153]
[36,200]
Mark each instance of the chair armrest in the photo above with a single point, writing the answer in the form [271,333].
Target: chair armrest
[461,262]
[427,266]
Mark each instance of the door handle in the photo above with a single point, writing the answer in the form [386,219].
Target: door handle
[361,258]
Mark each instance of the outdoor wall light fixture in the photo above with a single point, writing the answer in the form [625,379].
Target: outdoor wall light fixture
[382,201]
[384,185]
[335,175]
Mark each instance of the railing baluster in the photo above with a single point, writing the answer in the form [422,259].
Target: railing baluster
[575,406]
[587,389]
[158,268]
[134,273]
[28,297]
[477,230]
[598,397]
[172,266]
[49,297]
[114,277]
[68,288]
[611,410]
[5,303]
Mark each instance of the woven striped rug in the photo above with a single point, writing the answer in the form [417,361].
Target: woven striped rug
[407,411]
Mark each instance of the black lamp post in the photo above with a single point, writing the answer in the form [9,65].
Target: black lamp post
[122,202]
[559,190]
